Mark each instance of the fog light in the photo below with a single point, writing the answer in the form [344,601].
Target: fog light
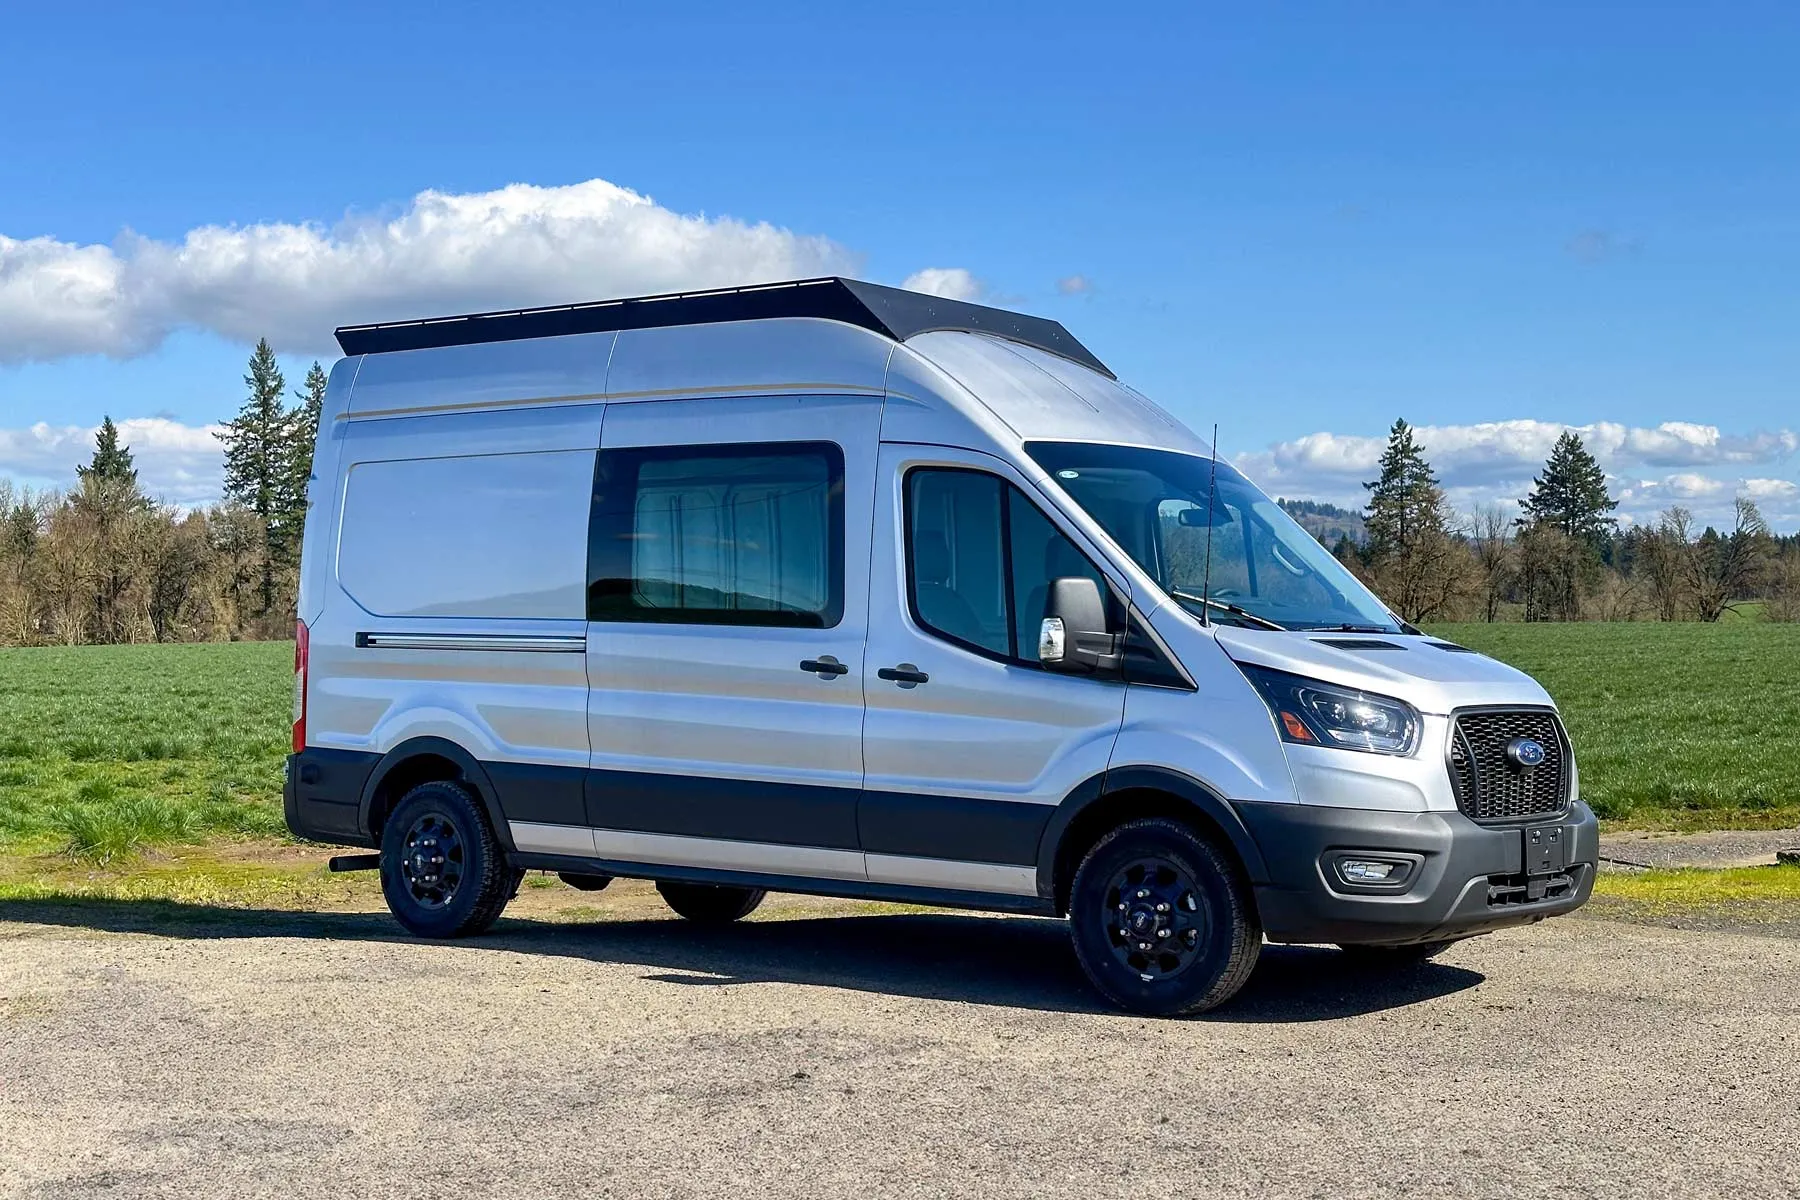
[1362,870]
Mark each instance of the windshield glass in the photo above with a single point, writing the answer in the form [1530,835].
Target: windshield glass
[1266,571]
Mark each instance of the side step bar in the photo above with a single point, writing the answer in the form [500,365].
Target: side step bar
[355,862]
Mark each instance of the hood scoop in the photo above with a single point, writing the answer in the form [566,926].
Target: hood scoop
[1358,644]
[1452,647]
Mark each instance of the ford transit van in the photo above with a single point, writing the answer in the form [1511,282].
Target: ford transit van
[833,588]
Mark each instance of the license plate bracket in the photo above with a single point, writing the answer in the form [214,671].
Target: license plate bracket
[1546,849]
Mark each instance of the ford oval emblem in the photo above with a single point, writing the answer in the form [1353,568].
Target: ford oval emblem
[1525,753]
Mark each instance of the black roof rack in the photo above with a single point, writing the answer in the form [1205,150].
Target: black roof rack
[888,311]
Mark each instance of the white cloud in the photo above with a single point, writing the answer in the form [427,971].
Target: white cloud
[1074,285]
[952,283]
[179,464]
[1779,491]
[1494,462]
[443,253]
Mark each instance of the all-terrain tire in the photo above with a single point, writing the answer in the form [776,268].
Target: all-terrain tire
[710,904]
[443,872]
[1160,884]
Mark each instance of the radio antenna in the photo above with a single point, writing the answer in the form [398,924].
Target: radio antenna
[1212,489]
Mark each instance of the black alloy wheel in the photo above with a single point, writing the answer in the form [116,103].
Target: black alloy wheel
[1162,920]
[443,872]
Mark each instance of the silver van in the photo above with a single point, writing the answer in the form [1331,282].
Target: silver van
[834,588]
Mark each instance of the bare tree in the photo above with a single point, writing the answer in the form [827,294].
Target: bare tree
[1490,541]
[1724,570]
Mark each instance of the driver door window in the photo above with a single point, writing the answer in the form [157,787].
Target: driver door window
[980,561]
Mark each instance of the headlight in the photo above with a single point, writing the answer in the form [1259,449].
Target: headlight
[1322,714]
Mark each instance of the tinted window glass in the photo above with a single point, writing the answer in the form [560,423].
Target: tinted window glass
[1040,555]
[733,535]
[957,565]
[482,535]
[982,558]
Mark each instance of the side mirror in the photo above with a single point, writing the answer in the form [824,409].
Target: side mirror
[1073,637]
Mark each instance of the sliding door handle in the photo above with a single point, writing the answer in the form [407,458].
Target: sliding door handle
[827,667]
[906,675]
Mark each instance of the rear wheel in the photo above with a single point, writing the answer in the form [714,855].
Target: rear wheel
[710,904]
[1162,922]
[442,870]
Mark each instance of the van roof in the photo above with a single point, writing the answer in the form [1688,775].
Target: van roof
[891,312]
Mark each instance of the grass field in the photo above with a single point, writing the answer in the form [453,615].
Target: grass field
[105,750]
[1675,725]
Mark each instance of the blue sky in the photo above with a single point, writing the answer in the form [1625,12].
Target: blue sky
[1300,220]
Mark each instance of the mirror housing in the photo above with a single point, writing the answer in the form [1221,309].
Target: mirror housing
[1073,637]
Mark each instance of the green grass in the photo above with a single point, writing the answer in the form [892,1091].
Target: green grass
[105,750]
[1675,725]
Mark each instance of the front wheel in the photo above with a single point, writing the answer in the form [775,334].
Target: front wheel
[710,904]
[1162,921]
[442,870]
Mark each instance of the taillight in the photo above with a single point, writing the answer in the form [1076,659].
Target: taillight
[300,651]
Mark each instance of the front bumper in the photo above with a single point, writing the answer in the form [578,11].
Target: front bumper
[1465,878]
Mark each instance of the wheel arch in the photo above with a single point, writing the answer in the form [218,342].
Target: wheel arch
[1122,794]
[427,760]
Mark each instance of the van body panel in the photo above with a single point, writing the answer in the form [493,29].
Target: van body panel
[785,356]
[732,704]
[1006,742]
[1220,734]
[495,374]
[1415,669]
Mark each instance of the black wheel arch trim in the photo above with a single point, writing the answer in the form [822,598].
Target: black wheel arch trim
[1117,780]
[472,771]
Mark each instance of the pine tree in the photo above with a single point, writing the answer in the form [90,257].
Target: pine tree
[1411,554]
[1571,495]
[306,432]
[306,423]
[112,462]
[259,464]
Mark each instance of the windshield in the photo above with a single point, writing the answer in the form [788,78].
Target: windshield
[1266,571]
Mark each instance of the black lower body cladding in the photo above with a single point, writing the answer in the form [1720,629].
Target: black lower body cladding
[322,795]
[1461,878]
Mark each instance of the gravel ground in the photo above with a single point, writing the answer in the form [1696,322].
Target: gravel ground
[1722,848]
[812,1053]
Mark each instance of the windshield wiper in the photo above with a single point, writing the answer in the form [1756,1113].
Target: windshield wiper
[1234,610]
[1348,629]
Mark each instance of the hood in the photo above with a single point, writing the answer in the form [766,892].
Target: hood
[1434,675]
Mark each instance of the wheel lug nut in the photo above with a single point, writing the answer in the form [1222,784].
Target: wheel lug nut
[1143,945]
[1162,933]
[1122,907]
[1162,908]
[1142,894]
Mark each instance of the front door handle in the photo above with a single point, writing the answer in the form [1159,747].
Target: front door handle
[906,675]
[827,667]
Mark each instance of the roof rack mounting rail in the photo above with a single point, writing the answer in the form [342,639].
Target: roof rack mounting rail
[890,312]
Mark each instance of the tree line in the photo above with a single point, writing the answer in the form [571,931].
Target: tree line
[1564,557]
[103,562]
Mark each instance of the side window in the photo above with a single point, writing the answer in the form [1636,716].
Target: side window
[956,555]
[749,534]
[1041,554]
[980,561]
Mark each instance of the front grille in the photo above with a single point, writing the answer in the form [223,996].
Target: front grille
[1488,786]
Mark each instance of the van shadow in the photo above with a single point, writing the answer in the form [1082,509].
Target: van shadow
[1013,962]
